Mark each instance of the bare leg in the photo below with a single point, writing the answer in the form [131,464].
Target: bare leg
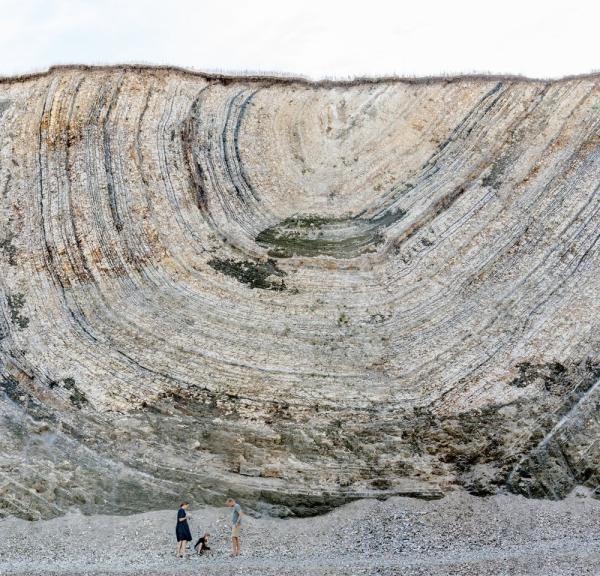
[236,546]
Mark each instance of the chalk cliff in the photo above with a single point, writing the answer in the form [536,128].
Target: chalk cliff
[295,293]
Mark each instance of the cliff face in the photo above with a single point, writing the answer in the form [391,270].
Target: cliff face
[298,294]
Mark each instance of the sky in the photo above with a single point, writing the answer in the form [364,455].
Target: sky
[313,38]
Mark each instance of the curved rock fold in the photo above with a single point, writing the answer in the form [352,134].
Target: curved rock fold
[297,293]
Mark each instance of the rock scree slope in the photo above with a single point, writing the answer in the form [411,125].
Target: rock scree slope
[298,293]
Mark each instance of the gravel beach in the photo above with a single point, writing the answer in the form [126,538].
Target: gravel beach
[460,534]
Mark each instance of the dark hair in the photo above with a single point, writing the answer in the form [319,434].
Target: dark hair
[184,504]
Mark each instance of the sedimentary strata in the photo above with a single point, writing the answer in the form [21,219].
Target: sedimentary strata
[298,293]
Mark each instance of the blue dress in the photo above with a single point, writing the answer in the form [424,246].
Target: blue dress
[182,531]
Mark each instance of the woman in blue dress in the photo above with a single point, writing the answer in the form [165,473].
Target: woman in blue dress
[182,531]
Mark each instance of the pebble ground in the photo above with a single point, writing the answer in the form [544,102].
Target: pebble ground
[458,535]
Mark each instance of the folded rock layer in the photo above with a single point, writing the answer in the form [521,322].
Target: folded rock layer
[295,293]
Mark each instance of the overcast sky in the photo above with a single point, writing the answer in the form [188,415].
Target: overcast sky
[316,38]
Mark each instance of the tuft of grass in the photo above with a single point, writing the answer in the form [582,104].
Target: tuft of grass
[15,305]
[343,319]
[254,274]
[9,249]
